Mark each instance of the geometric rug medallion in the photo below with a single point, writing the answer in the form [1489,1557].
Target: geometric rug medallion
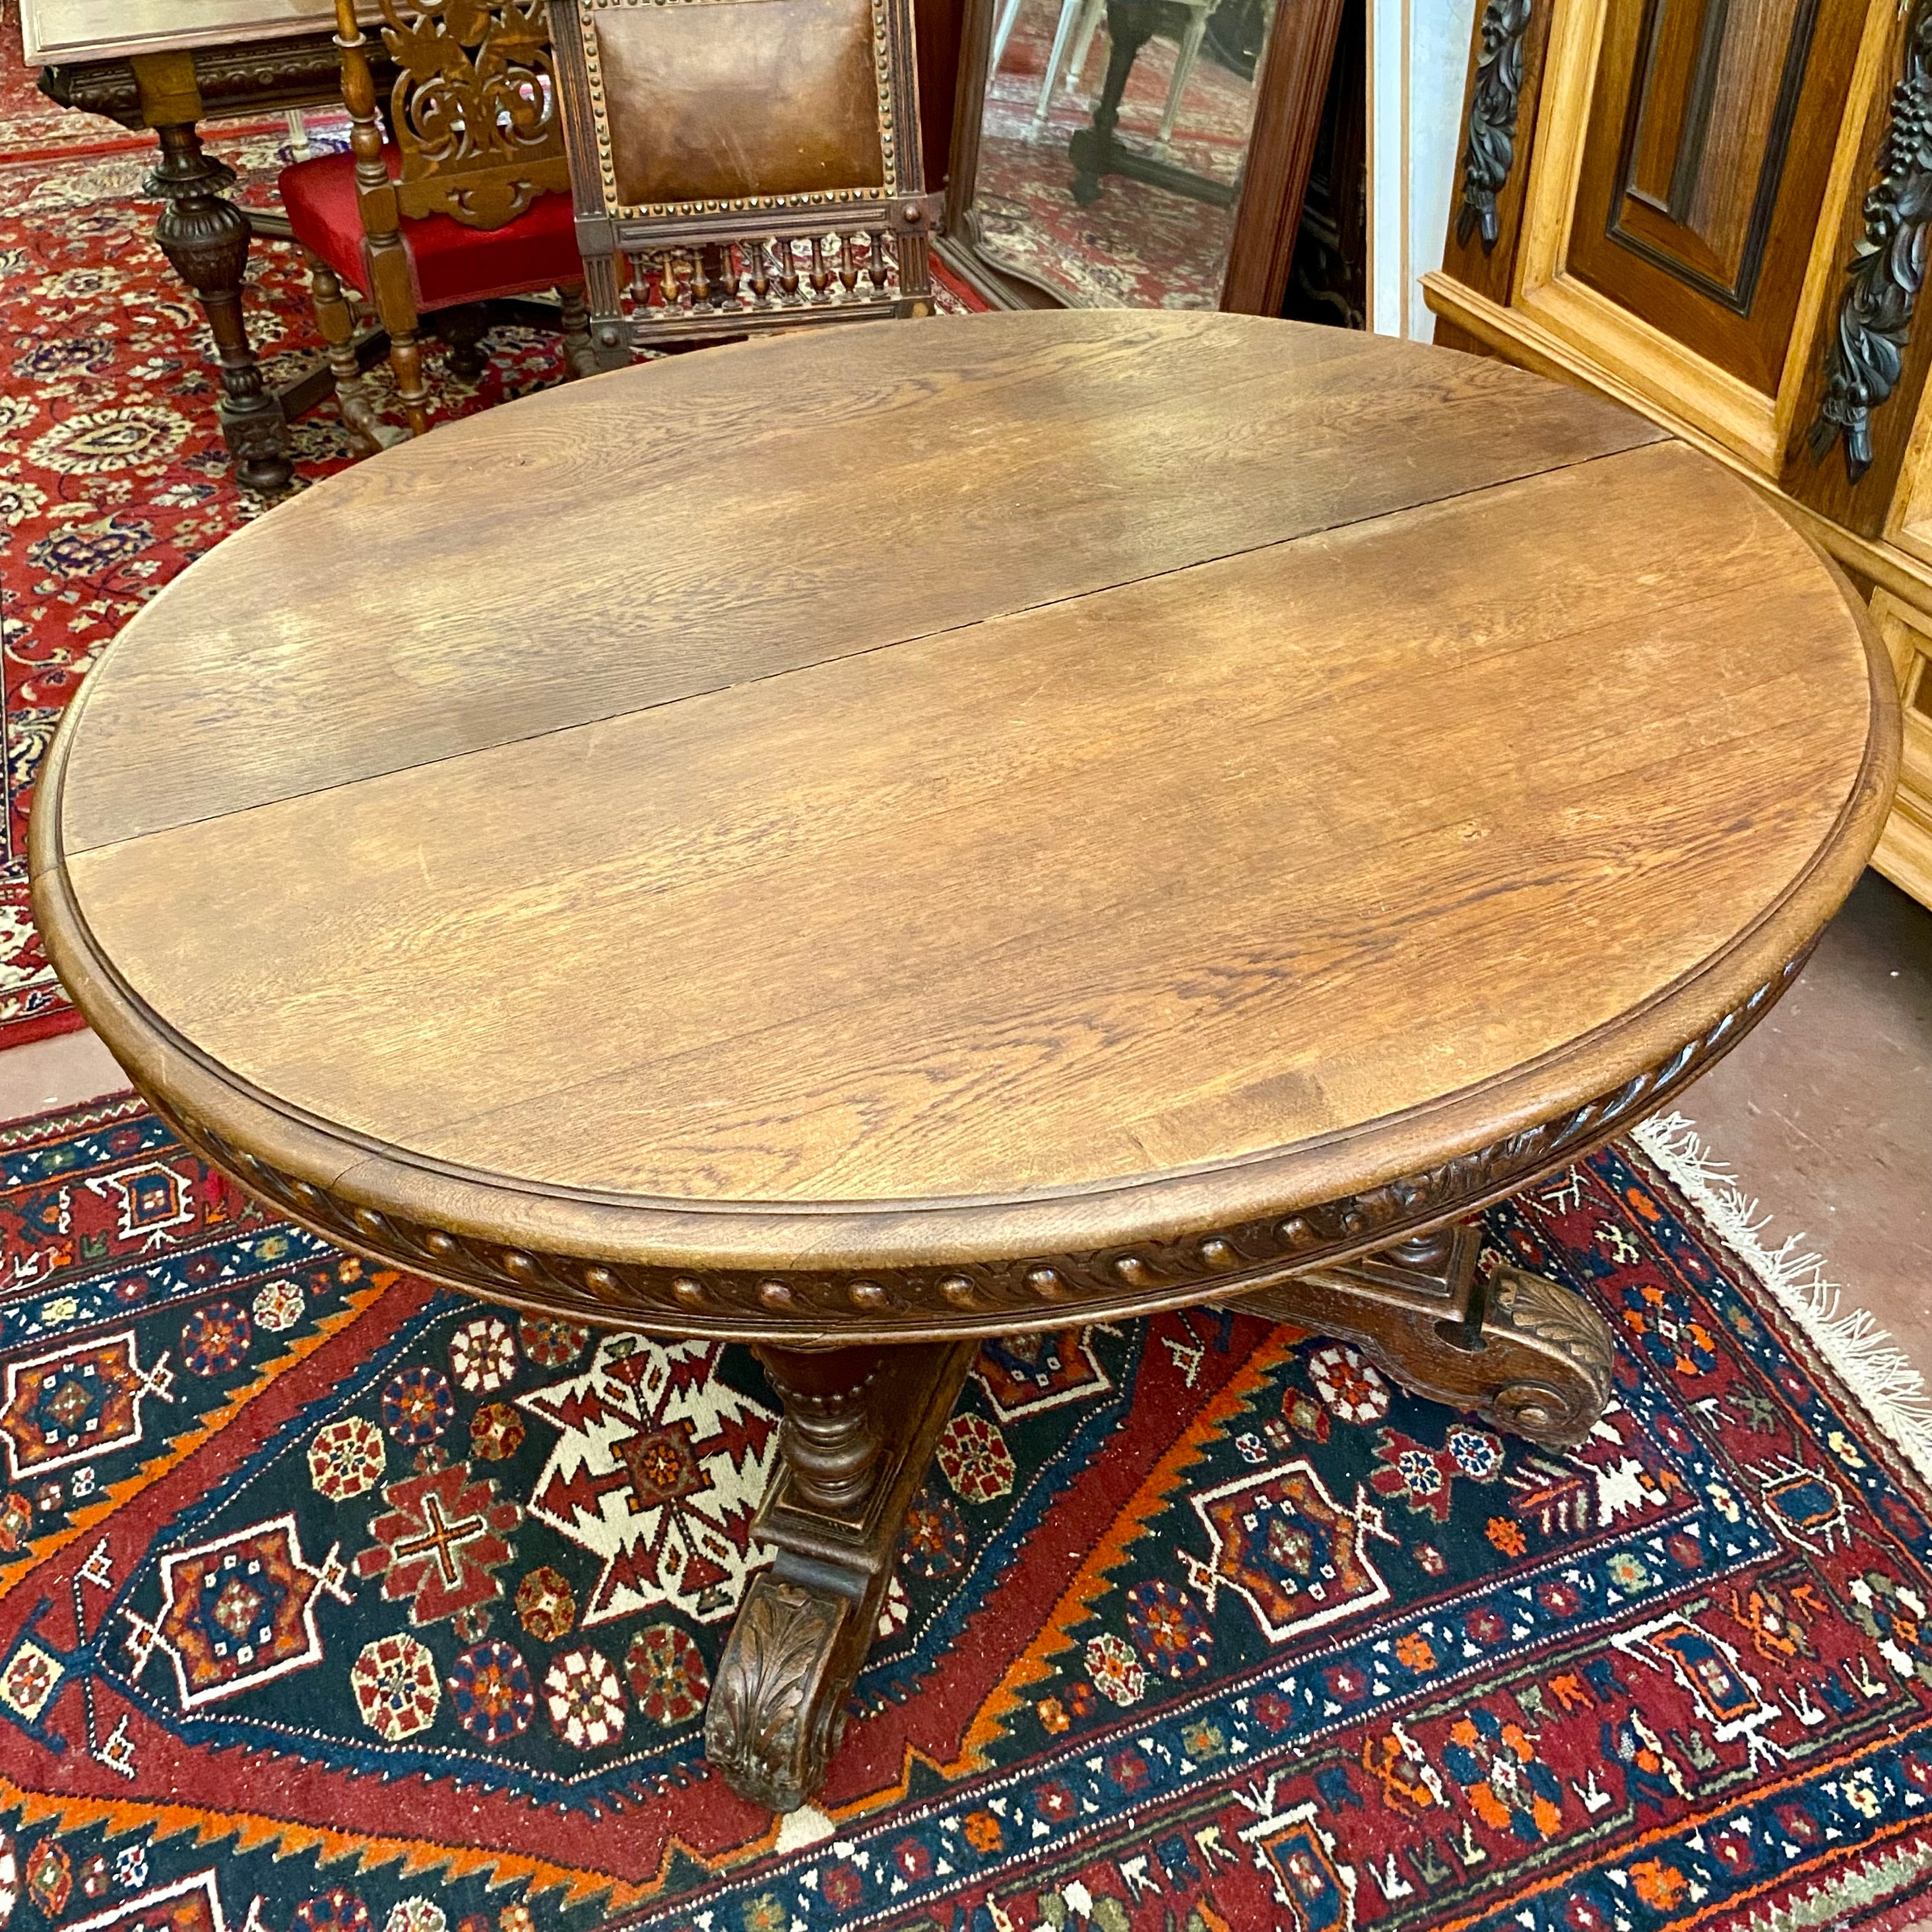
[329,1599]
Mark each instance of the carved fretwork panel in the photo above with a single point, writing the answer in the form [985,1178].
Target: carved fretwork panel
[474,107]
[1710,141]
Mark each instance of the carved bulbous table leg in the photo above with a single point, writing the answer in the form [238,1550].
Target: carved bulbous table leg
[461,331]
[206,238]
[1522,1353]
[860,1427]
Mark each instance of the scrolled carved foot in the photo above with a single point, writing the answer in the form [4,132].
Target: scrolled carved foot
[778,1700]
[860,1426]
[1523,1353]
[1558,1350]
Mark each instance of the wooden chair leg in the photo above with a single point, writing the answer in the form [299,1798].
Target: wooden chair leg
[367,433]
[579,358]
[406,358]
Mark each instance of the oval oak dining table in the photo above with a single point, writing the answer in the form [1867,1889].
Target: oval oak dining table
[872,839]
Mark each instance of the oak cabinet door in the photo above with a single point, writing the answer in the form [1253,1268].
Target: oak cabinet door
[1709,145]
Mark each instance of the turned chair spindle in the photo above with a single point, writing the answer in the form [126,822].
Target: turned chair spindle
[463,200]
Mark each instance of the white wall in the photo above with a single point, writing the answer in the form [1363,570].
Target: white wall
[1418,58]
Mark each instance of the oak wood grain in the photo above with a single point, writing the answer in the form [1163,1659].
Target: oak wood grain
[1221,813]
[978,466]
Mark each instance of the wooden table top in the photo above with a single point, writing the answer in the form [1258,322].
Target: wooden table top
[933,823]
[56,32]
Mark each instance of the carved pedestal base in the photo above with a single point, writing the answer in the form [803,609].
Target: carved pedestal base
[1522,1353]
[860,1427]
[860,1424]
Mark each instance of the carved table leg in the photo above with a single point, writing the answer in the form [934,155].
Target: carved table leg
[461,331]
[1130,25]
[1522,1353]
[860,1427]
[205,239]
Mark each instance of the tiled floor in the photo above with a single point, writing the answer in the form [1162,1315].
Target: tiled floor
[61,1071]
[1825,1110]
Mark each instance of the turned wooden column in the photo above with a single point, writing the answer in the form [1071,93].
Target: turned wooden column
[860,1425]
[829,1444]
[205,237]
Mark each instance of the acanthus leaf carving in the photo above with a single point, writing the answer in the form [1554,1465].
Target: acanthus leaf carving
[764,1729]
[474,104]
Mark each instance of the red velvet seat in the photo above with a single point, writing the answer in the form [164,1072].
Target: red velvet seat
[448,263]
[480,63]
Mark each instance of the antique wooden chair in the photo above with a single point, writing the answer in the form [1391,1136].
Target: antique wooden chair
[468,203]
[754,163]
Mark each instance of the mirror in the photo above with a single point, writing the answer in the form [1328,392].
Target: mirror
[1128,153]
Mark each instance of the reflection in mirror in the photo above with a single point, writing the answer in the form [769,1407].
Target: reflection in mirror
[1111,145]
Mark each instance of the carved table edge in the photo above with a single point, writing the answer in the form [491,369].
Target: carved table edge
[929,1300]
[938,1302]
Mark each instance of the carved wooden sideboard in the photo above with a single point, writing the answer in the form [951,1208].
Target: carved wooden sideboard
[1716,213]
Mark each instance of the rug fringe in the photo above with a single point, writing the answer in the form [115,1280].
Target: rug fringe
[1871,1365]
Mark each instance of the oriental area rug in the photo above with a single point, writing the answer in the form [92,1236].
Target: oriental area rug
[330,1601]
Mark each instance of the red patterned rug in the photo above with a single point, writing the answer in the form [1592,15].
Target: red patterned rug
[32,126]
[327,1602]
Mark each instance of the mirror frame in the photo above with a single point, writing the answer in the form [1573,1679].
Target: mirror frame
[1290,92]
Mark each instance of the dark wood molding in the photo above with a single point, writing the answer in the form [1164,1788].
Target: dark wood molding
[263,78]
[1291,90]
[1505,85]
[1489,127]
[1738,294]
[969,94]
